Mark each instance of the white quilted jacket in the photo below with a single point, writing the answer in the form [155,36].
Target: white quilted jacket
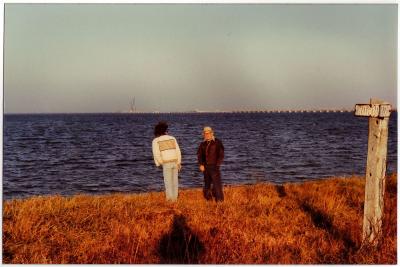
[166,149]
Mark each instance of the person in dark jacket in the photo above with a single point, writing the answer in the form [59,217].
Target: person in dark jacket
[210,156]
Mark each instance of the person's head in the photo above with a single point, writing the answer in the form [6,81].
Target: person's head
[208,133]
[160,129]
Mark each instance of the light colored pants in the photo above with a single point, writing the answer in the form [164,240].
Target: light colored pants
[170,171]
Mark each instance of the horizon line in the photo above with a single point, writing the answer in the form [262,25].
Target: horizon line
[193,112]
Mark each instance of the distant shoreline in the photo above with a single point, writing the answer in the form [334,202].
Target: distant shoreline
[197,112]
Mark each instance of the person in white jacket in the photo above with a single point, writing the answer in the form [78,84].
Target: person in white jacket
[166,152]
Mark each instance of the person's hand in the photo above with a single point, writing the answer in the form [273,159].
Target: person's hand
[179,167]
[202,168]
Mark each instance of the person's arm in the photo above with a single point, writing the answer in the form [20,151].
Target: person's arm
[178,152]
[179,155]
[156,153]
[200,158]
[220,153]
[200,155]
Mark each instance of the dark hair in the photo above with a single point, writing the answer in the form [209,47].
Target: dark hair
[160,129]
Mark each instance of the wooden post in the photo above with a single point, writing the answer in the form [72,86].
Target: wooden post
[378,113]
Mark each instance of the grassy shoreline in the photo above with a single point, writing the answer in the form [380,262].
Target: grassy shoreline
[310,223]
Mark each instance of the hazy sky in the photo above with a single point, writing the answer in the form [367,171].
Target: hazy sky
[179,57]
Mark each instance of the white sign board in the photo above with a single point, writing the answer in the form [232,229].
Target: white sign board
[373,110]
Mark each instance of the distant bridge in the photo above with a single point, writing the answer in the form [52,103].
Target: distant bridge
[252,111]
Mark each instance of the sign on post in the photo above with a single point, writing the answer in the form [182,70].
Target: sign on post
[378,113]
[373,110]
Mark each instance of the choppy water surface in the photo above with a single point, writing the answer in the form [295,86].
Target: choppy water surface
[103,153]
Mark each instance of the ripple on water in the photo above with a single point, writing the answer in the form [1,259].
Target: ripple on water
[101,153]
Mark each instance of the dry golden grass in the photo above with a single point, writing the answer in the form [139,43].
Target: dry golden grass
[313,222]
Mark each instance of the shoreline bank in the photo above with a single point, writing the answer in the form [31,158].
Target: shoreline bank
[200,188]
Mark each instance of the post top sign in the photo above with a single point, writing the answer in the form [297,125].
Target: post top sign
[373,110]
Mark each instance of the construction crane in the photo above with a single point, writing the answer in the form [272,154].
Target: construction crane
[133,106]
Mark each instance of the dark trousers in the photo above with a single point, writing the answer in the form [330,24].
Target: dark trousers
[212,183]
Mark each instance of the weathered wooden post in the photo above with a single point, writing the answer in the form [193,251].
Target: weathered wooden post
[378,113]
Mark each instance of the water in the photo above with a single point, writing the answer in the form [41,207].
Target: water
[103,153]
